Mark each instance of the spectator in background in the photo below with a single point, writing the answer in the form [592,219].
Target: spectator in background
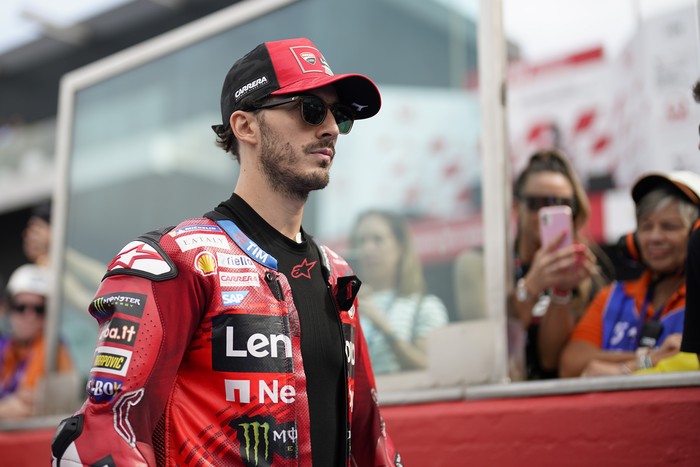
[22,353]
[81,275]
[396,312]
[612,338]
[548,179]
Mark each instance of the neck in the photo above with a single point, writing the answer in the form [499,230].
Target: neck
[665,288]
[279,210]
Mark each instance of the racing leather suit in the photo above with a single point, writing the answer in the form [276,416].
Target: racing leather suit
[198,360]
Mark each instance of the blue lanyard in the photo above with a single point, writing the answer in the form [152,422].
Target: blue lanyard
[643,311]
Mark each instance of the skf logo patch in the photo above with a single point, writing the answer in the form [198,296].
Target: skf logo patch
[128,303]
[205,263]
[111,360]
[310,60]
[261,438]
[233,298]
[142,257]
[103,390]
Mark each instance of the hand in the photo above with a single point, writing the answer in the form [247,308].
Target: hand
[562,268]
[601,368]
[668,348]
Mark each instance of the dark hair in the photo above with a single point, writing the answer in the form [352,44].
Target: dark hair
[43,211]
[553,160]
[409,275]
[224,135]
[226,141]
[696,91]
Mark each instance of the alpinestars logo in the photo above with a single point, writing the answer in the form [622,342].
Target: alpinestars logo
[262,437]
[303,269]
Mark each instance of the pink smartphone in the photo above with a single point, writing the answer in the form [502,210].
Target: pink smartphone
[553,221]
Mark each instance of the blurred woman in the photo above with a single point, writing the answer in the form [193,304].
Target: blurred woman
[22,353]
[632,325]
[395,309]
[553,285]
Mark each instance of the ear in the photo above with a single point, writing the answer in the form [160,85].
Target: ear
[245,126]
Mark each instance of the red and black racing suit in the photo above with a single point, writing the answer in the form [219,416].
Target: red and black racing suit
[198,360]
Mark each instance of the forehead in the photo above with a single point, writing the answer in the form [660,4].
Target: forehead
[27,297]
[547,184]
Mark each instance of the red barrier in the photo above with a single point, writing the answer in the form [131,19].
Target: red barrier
[649,427]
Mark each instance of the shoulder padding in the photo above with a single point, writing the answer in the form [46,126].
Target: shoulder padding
[144,257]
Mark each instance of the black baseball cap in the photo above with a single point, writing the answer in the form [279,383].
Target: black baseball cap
[292,66]
[682,182]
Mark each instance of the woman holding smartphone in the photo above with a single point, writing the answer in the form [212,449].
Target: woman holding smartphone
[555,279]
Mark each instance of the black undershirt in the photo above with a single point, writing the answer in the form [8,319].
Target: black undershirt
[321,341]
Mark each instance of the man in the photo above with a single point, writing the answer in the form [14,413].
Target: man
[233,339]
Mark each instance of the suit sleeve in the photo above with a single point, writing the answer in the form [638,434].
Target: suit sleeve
[371,443]
[145,326]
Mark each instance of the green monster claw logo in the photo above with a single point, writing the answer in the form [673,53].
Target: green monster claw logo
[260,433]
[262,437]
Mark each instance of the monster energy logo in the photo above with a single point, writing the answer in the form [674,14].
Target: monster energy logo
[260,434]
[261,438]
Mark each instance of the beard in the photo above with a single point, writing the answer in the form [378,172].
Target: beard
[280,164]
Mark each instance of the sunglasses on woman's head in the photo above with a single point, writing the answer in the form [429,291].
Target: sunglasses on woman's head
[534,203]
[314,110]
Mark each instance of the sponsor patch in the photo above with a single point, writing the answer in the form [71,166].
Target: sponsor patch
[129,303]
[234,261]
[205,263]
[192,241]
[310,60]
[239,279]
[111,360]
[140,256]
[103,390]
[119,331]
[233,298]
[261,438]
[251,86]
[303,269]
[250,247]
[251,343]
[194,228]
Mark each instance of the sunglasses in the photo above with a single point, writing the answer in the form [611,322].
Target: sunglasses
[314,111]
[23,307]
[534,203]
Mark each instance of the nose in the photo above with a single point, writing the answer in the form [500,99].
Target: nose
[329,127]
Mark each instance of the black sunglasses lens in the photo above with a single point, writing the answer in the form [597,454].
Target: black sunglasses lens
[21,308]
[313,110]
[534,203]
[344,118]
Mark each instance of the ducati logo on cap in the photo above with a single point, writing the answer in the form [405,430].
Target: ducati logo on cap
[309,57]
[310,60]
